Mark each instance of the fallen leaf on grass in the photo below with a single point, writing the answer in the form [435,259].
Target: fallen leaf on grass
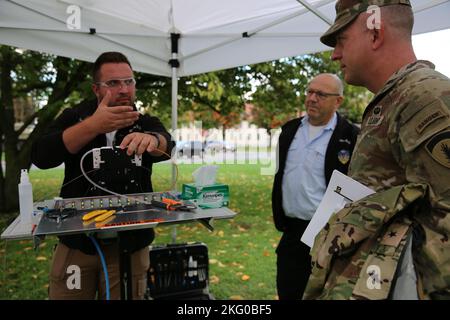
[212,261]
[236,298]
[238,265]
[41,258]
[220,233]
[266,253]
[245,277]
[214,279]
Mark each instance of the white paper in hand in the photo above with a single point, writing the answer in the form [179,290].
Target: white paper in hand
[340,191]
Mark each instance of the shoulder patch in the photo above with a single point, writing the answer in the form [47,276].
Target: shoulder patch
[439,148]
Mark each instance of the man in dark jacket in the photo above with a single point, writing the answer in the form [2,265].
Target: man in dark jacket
[112,120]
[309,149]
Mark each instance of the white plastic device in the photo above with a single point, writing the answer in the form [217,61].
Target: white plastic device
[97,156]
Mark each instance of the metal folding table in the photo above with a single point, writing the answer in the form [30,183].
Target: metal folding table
[133,212]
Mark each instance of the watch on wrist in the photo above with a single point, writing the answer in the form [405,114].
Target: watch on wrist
[157,138]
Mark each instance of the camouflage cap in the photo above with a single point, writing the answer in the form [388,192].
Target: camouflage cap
[347,11]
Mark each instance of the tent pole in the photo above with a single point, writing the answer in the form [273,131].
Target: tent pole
[174,115]
[174,63]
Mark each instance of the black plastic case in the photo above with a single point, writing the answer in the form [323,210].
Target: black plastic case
[179,271]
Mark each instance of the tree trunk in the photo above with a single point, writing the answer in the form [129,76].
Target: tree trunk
[12,176]
[2,180]
[8,191]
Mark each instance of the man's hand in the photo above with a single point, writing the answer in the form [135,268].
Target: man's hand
[107,119]
[104,120]
[138,142]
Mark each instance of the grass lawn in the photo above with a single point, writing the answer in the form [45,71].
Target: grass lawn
[241,250]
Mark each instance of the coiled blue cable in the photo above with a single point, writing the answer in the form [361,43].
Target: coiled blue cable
[105,269]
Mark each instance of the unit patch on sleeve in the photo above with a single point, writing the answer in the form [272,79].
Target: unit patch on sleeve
[439,148]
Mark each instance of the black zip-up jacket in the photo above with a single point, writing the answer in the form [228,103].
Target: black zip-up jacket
[49,151]
[343,138]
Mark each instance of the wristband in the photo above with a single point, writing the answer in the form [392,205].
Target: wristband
[157,138]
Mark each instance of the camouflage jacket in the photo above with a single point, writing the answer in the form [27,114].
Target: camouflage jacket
[403,153]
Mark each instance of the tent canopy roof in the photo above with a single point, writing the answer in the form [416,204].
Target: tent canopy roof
[214,34]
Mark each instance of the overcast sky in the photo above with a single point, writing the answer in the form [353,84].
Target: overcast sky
[435,47]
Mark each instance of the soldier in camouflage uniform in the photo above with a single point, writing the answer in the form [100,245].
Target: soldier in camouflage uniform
[403,153]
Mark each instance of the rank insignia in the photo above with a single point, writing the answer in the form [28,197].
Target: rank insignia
[377,110]
[439,148]
[376,118]
[344,156]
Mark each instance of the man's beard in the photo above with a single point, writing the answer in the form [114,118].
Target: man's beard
[123,100]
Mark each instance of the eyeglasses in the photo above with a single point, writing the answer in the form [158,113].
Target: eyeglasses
[117,83]
[321,95]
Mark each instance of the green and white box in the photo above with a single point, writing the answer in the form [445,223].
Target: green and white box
[210,196]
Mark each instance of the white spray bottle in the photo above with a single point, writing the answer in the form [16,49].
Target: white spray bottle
[25,198]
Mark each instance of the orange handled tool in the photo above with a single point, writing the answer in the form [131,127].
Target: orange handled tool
[171,205]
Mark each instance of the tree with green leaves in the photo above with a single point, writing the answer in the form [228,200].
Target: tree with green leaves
[280,86]
[54,81]
[215,98]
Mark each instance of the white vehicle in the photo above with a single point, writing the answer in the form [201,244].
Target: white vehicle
[220,146]
[190,148]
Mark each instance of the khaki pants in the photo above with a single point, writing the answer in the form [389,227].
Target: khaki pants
[78,276]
